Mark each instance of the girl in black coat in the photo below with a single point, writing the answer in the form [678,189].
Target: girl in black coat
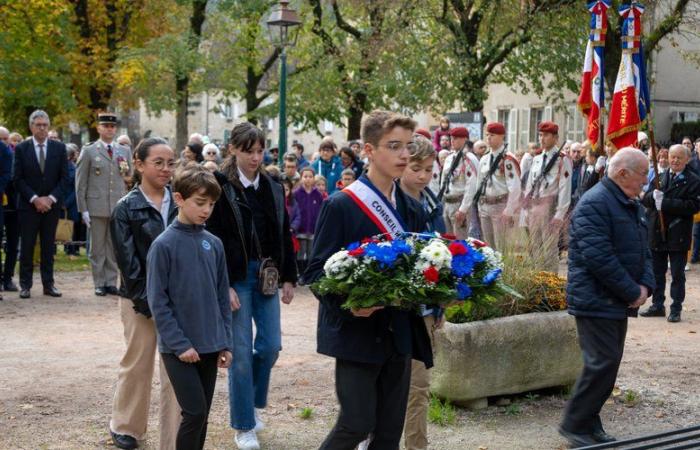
[251,220]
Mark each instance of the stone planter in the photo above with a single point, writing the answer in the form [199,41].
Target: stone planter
[508,355]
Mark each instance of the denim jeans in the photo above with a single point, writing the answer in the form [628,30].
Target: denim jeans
[249,374]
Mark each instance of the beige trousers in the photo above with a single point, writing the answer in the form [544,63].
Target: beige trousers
[416,425]
[102,259]
[493,228]
[448,214]
[544,238]
[132,397]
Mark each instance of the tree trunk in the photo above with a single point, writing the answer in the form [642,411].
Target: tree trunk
[182,85]
[354,123]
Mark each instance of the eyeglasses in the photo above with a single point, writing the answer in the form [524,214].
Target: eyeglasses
[397,146]
[160,164]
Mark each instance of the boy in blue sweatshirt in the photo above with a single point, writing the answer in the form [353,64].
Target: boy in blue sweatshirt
[188,295]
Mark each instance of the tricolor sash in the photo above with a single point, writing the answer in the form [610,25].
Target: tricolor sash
[375,206]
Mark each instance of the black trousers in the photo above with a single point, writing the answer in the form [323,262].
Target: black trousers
[602,342]
[678,261]
[11,228]
[193,384]
[373,400]
[43,225]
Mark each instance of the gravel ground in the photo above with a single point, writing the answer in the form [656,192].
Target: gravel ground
[60,356]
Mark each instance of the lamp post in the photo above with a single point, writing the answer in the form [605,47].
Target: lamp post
[283,27]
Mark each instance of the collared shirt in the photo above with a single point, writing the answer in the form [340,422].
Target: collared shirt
[246,182]
[36,148]
[505,179]
[164,205]
[555,184]
[105,144]
[46,154]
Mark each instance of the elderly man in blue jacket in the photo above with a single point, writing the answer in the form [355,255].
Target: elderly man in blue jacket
[610,277]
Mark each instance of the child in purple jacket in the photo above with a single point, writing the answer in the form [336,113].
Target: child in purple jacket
[308,200]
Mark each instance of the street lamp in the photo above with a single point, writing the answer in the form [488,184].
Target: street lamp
[283,27]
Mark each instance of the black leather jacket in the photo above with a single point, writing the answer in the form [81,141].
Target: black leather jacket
[134,225]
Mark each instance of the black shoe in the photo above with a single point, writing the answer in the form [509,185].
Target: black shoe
[100,292]
[674,316]
[24,293]
[601,436]
[10,286]
[654,311]
[51,291]
[124,441]
[577,440]
[111,290]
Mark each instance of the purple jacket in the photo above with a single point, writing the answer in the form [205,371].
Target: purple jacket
[309,206]
[438,133]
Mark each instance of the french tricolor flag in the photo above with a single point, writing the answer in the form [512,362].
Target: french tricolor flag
[591,99]
[625,119]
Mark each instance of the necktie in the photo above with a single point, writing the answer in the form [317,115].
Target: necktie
[109,150]
[42,158]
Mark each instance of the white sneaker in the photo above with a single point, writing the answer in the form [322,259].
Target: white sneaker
[259,424]
[247,440]
[364,445]
[687,267]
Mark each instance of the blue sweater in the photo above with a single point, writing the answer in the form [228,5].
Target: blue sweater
[187,288]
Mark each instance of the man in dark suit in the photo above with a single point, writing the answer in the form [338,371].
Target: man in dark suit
[678,200]
[40,178]
[5,176]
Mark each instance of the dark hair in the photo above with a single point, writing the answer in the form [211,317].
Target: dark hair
[193,179]
[143,149]
[299,145]
[273,149]
[348,151]
[196,148]
[245,135]
[291,157]
[290,185]
[326,145]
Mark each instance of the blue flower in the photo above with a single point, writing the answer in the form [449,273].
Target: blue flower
[463,291]
[353,246]
[384,254]
[492,276]
[401,247]
[463,265]
[477,256]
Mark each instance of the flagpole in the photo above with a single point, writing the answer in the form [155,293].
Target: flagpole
[654,160]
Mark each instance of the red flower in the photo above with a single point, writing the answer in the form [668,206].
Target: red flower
[478,244]
[431,275]
[457,248]
[450,237]
[359,251]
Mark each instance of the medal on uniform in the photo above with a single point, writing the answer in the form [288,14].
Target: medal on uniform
[98,171]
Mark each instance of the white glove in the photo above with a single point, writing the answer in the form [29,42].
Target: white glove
[86,218]
[658,198]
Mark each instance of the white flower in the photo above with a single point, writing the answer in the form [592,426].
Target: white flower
[434,254]
[494,259]
[339,265]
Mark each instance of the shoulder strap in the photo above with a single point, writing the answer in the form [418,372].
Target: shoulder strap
[482,187]
[453,167]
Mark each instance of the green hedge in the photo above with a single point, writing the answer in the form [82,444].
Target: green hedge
[682,129]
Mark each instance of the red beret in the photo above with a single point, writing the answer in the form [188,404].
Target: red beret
[423,132]
[548,127]
[459,132]
[496,128]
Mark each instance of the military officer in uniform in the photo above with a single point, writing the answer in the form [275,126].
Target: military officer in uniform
[547,196]
[102,168]
[459,175]
[498,187]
